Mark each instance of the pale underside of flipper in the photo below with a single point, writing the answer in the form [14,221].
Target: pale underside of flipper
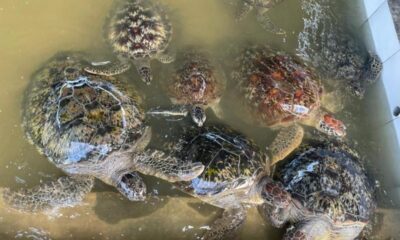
[288,139]
[161,165]
[226,226]
[66,191]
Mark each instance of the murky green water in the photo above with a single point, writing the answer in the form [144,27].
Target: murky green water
[32,31]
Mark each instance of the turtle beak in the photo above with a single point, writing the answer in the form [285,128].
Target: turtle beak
[332,126]
[198,115]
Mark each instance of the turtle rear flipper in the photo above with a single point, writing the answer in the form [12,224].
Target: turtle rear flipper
[64,192]
[231,220]
[108,69]
[161,165]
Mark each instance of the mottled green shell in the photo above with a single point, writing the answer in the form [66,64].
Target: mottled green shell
[330,180]
[138,29]
[227,155]
[73,116]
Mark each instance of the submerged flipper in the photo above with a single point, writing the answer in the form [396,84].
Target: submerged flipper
[165,58]
[65,192]
[243,10]
[286,141]
[267,24]
[108,69]
[161,165]
[227,225]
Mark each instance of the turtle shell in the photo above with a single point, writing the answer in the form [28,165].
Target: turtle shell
[138,29]
[74,116]
[230,159]
[328,179]
[277,88]
[195,80]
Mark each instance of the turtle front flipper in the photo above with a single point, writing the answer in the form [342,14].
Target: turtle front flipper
[175,113]
[267,24]
[313,229]
[144,69]
[231,220]
[243,10]
[161,165]
[165,58]
[65,192]
[108,68]
[285,142]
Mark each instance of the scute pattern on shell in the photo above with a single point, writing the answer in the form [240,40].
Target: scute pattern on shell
[227,155]
[277,87]
[328,179]
[139,29]
[75,117]
[195,80]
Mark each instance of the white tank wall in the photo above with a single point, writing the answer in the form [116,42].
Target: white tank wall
[380,33]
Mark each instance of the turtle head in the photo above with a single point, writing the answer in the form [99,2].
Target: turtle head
[369,74]
[198,115]
[277,202]
[373,68]
[132,186]
[145,74]
[331,126]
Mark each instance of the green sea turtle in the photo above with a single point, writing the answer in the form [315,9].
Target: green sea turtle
[262,7]
[334,51]
[89,126]
[137,31]
[278,90]
[196,83]
[234,166]
[323,190]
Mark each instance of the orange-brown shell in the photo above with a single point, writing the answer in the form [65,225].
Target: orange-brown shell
[195,80]
[277,88]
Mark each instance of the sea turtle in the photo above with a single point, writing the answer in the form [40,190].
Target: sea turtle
[138,30]
[277,90]
[195,84]
[90,127]
[334,51]
[234,166]
[323,190]
[262,7]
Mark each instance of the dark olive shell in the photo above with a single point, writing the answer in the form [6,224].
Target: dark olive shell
[230,159]
[73,116]
[328,179]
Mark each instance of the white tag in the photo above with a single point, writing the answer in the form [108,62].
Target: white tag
[295,109]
